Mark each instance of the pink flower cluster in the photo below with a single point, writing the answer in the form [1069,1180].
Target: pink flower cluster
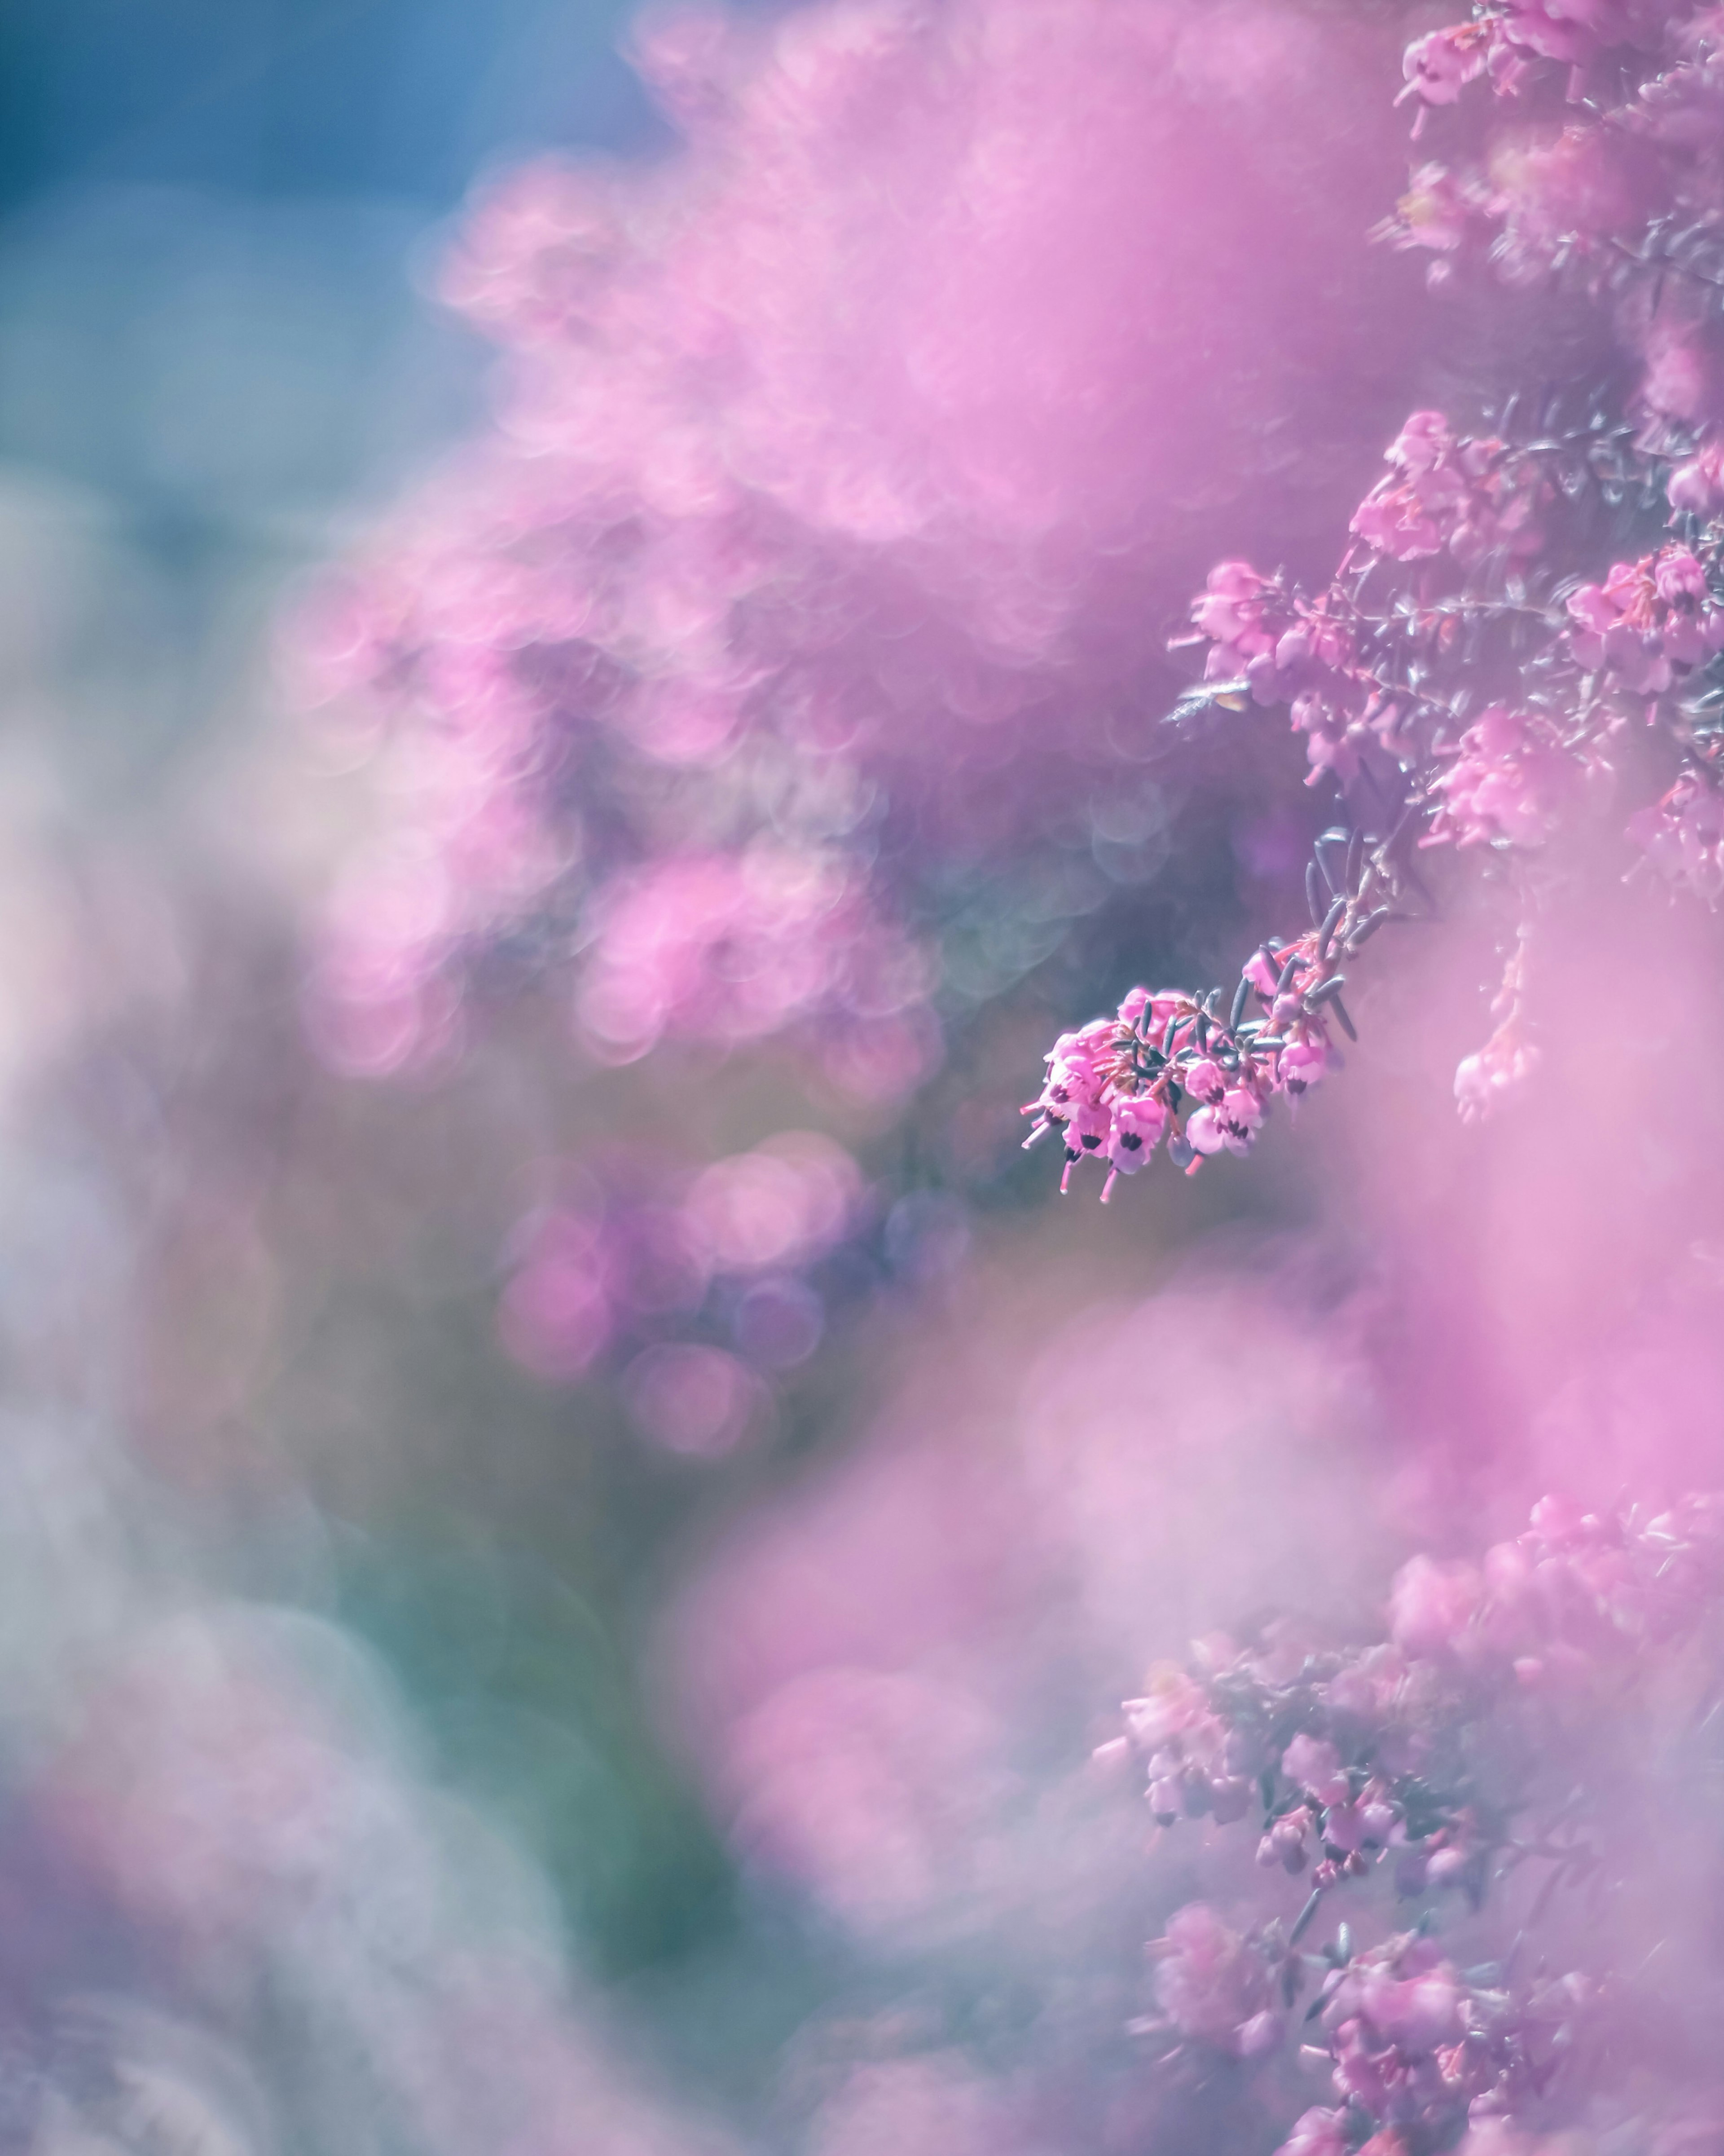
[1415,2045]
[1626,196]
[1463,498]
[1465,1745]
[1167,1066]
[1506,37]
[1649,621]
[1697,483]
[1379,688]
[1468,496]
[1420,2048]
[1195,1767]
[1361,1753]
[1438,212]
[1512,780]
[1288,649]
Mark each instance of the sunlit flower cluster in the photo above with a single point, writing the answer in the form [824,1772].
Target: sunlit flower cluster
[1620,196]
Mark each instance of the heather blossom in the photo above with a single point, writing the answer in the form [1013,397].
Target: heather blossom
[1170,1063]
[1622,198]
[1362,1753]
[1245,616]
[1115,1088]
[1504,37]
[1440,66]
[1283,649]
[1493,1075]
[1648,621]
[1438,212]
[1447,491]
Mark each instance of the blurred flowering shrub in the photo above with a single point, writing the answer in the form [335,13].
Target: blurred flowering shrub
[796,571]
[772,686]
[772,694]
[631,1250]
[1492,1750]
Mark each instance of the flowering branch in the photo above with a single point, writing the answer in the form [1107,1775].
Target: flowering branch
[1511,606]
[1171,1066]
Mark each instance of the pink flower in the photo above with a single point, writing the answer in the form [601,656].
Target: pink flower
[1173,1703]
[1574,31]
[1418,2011]
[1284,1843]
[1435,212]
[1244,615]
[1302,1063]
[1438,66]
[1138,1122]
[1579,191]
[1683,375]
[1648,619]
[1206,1132]
[1677,576]
[1243,1113]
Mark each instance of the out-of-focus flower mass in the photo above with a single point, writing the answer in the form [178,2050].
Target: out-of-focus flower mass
[808,552]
